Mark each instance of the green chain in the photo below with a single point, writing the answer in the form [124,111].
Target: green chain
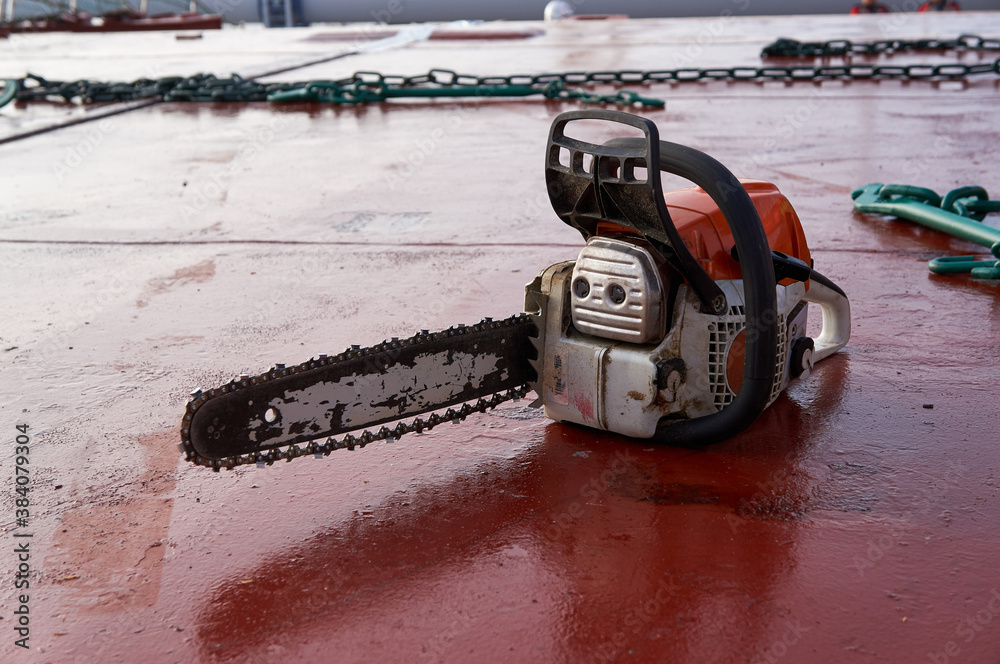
[790,48]
[977,269]
[365,87]
[361,91]
[959,212]
[362,87]
[10,89]
[972,201]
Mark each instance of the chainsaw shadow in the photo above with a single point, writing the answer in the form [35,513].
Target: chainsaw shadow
[592,543]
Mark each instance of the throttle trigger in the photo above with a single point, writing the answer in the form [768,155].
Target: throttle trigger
[785,266]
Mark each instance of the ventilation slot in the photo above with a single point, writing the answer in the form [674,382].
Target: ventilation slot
[720,334]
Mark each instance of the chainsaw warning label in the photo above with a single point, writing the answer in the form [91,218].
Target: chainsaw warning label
[22,541]
[559,393]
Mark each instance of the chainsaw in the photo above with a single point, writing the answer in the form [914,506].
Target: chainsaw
[681,320]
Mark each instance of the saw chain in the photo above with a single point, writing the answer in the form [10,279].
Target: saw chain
[205,439]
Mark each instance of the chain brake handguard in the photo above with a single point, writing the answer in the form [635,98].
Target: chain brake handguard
[610,191]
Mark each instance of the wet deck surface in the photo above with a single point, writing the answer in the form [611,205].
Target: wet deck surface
[176,246]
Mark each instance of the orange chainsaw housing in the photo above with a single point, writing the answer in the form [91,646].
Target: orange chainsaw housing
[704,230]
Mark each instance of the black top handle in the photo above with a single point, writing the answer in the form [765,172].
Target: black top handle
[612,191]
[632,206]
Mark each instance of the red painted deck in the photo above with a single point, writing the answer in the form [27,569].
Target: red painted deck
[175,246]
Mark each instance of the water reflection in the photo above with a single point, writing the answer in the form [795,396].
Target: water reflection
[593,544]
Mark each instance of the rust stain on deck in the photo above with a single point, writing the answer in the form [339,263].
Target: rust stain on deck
[194,274]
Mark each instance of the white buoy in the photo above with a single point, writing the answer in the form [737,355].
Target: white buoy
[558,9]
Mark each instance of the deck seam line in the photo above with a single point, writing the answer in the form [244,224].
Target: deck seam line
[334,243]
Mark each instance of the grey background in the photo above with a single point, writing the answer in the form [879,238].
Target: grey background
[404,11]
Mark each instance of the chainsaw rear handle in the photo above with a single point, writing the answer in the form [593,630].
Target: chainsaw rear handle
[759,292]
[836,310]
[833,302]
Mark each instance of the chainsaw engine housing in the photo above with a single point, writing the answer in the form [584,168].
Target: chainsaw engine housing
[693,370]
[667,307]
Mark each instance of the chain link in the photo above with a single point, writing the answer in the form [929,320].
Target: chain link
[791,48]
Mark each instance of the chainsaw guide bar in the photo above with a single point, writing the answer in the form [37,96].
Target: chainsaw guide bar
[263,418]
